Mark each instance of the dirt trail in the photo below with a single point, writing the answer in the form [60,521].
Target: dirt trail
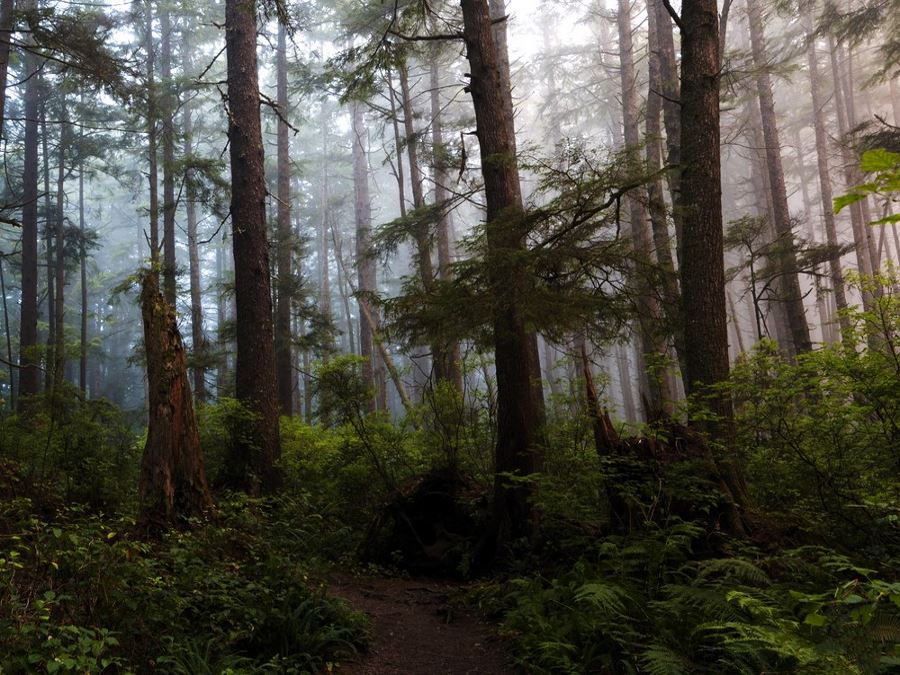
[416,630]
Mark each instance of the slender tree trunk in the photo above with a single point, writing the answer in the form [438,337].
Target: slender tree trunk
[167,114]
[859,224]
[152,133]
[324,227]
[653,343]
[49,229]
[441,196]
[786,258]
[517,415]
[83,352]
[338,244]
[252,467]
[285,243]
[198,337]
[6,25]
[172,485]
[365,264]
[59,349]
[655,198]
[825,192]
[28,356]
[671,94]
[221,367]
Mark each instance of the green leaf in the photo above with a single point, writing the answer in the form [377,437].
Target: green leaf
[815,620]
[846,200]
[879,159]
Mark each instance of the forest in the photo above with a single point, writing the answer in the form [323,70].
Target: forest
[426,337]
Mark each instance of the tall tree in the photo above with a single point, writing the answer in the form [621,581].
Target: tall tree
[253,460]
[285,239]
[825,192]
[786,256]
[516,452]
[703,266]
[653,344]
[198,337]
[167,115]
[28,357]
[365,264]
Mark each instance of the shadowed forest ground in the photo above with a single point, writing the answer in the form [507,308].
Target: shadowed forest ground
[417,628]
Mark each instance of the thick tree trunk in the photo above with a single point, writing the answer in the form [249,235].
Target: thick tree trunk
[253,464]
[516,452]
[172,484]
[285,242]
[167,114]
[786,259]
[703,268]
[28,349]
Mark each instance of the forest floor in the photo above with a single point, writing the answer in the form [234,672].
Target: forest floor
[418,629]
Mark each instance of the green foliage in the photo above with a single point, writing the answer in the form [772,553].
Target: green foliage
[74,450]
[233,593]
[652,603]
[885,165]
[820,435]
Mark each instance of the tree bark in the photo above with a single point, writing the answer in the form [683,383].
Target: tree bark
[825,192]
[172,485]
[7,8]
[152,133]
[365,264]
[59,348]
[786,258]
[516,452]
[167,114]
[653,343]
[285,242]
[441,196]
[28,350]
[252,467]
[199,343]
[83,351]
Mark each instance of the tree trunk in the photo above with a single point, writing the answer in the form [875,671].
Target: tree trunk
[6,25]
[172,486]
[441,196]
[28,349]
[365,264]
[653,343]
[285,242]
[198,337]
[787,259]
[671,95]
[49,245]
[516,451]
[253,466]
[83,351]
[59,349]
[703,268]
[152,131]
[662,243]
[825,192]
[167,114]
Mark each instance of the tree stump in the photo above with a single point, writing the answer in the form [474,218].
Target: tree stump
[172,483]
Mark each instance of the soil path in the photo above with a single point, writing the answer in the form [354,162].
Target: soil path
[417,630]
